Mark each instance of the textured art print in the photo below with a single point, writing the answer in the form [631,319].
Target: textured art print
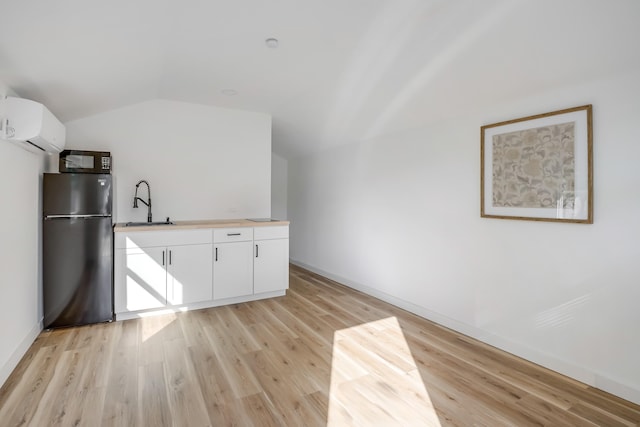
[539,168]
[535,168]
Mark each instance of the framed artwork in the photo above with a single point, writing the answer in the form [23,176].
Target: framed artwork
[539,168]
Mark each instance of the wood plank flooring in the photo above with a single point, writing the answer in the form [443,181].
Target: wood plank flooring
[324,355]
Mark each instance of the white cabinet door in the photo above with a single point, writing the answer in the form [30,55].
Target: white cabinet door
[271,265]
[189,274]
[232,270]
[141,281]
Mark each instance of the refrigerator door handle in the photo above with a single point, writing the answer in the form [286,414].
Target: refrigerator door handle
[75,216]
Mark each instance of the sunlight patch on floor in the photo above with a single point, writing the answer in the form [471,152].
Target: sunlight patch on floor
[374,379]
[153,324]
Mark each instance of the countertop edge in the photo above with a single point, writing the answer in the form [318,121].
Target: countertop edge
[199,224]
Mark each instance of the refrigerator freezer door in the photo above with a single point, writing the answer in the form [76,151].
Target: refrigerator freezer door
[77,271]
[76,194]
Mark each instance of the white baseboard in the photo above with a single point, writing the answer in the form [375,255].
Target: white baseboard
[564,367]
[20,351]
[197,305]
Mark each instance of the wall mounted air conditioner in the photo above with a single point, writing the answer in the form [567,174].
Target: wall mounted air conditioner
[32,124]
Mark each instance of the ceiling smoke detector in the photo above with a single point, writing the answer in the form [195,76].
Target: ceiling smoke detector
[271,43]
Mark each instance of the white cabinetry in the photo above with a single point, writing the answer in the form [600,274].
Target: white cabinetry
[155,269]
[159,270]
[271,259]
[189,274]
[232,262]
[140,279]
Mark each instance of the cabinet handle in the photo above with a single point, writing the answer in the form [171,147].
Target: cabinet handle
[169,257]
[256,251]
[216,254]
[233,234]
[162,257]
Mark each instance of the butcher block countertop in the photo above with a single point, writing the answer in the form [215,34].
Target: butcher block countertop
[205,223]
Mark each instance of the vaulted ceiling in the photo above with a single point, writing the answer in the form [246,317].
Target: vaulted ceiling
[344,70]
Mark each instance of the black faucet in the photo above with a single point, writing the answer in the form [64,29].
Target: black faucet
[148,202]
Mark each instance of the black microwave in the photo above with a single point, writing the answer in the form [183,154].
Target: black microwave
[80,161]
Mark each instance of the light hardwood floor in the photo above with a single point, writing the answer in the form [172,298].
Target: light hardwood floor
[322,355]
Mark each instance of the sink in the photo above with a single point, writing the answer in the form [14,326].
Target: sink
[139,224]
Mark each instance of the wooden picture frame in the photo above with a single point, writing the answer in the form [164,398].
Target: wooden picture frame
[539,168]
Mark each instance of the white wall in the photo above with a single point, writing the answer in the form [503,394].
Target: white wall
[398,217]
[279,171]
[202,162]
[20,307]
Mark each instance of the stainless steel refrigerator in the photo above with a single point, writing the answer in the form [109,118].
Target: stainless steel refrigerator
[77,270]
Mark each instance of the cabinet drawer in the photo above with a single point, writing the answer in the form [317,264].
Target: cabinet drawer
[148,239]
[225,235]
[268,233]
